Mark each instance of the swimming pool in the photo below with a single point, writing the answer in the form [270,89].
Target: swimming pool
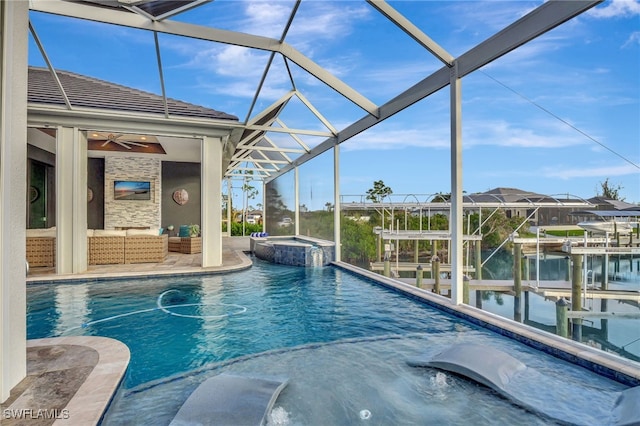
[342,341]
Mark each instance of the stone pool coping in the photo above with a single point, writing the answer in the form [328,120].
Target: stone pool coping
[70,381]
[600,362]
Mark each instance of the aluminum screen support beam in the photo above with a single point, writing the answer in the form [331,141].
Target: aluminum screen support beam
[337,236]
[537,22]
[412,31]
[455,219]
[132,20]
[296,197]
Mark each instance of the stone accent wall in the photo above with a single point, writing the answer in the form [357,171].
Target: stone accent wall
[132,213]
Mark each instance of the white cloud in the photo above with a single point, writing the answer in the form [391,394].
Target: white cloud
[325,20]
[582,172]
[616,9]
[265,18]
[543,134]
[530,134]
[633,39]
[485,15]
[392,138]
[234,61]
[314,20]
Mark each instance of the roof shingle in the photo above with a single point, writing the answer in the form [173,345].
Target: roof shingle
[88,92]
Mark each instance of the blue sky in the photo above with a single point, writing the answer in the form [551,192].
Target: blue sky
[557,116]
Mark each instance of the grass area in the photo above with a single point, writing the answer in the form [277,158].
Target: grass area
[568,233]
[565,233]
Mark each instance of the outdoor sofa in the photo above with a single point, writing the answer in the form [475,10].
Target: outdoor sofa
[107,246]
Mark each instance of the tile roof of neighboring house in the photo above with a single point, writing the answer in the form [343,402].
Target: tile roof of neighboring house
[506,195]
[88,92]
[605,203]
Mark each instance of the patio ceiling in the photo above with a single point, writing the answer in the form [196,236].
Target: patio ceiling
[268,142]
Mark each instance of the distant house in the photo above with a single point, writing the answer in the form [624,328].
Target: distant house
[602,203]
[544,216]
[509,197]
[254,217]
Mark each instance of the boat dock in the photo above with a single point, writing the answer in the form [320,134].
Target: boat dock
[547,289]
[412,267]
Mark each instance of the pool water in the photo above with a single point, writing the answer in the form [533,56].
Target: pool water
[342,341]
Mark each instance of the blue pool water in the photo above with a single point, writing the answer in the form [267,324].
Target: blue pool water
[341,340]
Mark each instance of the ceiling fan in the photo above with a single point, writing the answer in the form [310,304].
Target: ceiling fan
[122,141]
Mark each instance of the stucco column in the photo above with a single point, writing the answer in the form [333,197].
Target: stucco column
[14,17]
[71,201]
[211,176]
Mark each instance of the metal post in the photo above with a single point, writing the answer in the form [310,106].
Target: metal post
[479,260]
[419,276]
[576,300]
[606,262]
[585,278]
[537,257]
[465,290]
[337,234]
[456,211]
[435,271]
[387,264]
[478,299]
[517,281]
[562,306]
[517,269]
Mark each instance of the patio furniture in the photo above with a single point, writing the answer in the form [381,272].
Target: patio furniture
[185,245]
[142,248]
[174,244]
[106,246]
[41,247]
[126,246]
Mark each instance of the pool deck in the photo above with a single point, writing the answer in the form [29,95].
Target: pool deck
[71,380]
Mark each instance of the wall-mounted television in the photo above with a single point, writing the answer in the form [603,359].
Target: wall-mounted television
[131,190]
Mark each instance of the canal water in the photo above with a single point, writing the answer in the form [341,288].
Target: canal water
[618,335]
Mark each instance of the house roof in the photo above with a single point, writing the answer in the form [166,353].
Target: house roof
[608,204]
[89,92]
[507,195]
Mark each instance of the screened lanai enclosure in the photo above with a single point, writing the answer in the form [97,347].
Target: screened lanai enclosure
[295,113]
[295,110]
